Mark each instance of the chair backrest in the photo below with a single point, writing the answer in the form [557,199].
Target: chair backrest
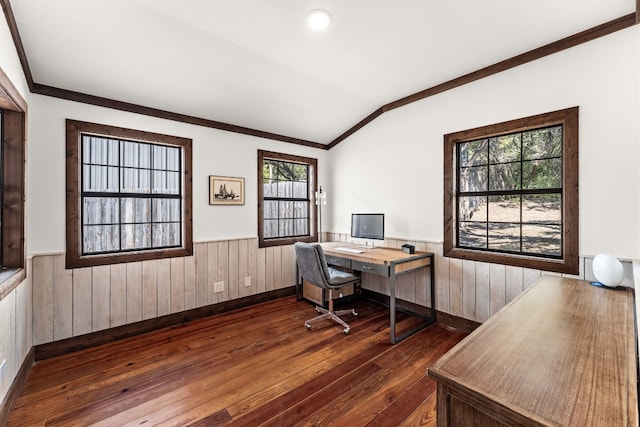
[312,263]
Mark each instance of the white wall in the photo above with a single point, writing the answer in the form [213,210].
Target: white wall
[215,152]
[395,164]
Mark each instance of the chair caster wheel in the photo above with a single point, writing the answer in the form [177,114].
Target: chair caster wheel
[308,326]
[354,314]
[346,331]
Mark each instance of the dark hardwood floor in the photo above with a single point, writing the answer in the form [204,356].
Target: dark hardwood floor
[253,366]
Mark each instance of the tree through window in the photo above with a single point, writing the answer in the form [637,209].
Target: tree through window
[513,195]
[510,193]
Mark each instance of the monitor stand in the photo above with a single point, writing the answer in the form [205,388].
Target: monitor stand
[368,245]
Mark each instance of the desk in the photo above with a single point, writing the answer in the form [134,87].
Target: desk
[563,353]
[386,262]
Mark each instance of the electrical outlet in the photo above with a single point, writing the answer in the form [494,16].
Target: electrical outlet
[218,287]
[247,281]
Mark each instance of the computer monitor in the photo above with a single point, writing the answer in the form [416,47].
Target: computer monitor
[367,226]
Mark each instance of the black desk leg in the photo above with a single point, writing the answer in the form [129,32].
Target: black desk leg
[392,307]
[433,288]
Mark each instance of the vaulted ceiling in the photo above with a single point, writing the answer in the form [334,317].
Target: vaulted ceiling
[254,64]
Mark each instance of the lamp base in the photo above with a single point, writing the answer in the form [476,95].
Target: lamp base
[614,288]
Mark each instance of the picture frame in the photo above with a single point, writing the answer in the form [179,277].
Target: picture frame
[226,190]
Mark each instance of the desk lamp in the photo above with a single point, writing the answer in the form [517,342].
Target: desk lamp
[321,199]
[608,271]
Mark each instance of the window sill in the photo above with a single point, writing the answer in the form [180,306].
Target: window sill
[569,264]
[285,241]
[10,279]
[74,261]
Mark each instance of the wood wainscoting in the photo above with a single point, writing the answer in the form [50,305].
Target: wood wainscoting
[70,303]
[469,290]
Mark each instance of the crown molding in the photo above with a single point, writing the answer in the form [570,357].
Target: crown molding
[532,55]
[163,114]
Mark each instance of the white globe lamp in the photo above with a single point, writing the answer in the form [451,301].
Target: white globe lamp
[607,270]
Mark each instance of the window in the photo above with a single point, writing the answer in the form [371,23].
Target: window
[511,192]
[285,205]
[13,110]
[12,171]
[128,195]
[1,182]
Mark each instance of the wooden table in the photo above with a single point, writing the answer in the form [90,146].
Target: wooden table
[563,354]
[387,262]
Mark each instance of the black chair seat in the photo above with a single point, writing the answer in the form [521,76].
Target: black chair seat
[312,266]
[339,278]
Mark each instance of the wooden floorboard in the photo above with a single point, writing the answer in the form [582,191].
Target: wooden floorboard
[253,366]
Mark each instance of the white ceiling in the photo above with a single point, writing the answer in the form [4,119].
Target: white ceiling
[253,63]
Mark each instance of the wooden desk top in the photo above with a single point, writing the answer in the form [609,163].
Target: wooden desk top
[562,353]
[379,255]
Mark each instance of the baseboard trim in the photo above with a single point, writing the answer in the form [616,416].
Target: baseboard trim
[458,323]
[401,305]
[443,319]
[16,387]
[81,342]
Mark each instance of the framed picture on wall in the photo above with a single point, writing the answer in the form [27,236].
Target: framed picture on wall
[226,190]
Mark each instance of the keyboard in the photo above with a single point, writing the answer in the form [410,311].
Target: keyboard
[350,250]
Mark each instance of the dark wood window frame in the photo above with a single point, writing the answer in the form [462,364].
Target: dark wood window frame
[74,257]
[312,184]
[14,131]
[569,260]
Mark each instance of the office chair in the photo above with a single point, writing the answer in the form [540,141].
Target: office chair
[313,268]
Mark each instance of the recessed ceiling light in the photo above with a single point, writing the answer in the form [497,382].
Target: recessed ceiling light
[318,19]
